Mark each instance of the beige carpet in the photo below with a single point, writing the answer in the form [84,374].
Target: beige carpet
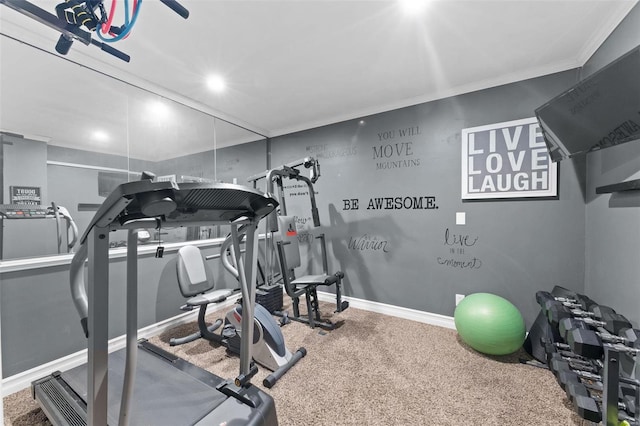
[380,370]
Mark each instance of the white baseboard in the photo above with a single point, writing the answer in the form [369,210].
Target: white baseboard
[23,380]
[394,311]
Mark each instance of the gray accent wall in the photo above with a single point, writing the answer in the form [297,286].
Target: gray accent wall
[612,275]
[419,258]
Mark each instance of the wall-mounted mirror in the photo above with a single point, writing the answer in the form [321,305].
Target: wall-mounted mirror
[70,134]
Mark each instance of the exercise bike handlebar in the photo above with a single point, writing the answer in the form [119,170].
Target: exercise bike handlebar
[226,244]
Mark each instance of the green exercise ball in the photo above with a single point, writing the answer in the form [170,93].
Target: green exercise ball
[489,324]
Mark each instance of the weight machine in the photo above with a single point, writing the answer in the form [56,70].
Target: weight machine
[274,237]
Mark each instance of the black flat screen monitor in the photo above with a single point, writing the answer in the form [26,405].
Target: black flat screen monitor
[601,111]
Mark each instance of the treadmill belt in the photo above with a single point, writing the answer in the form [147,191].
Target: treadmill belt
[162,394]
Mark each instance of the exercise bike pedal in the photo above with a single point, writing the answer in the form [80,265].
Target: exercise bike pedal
[284,320]
[343,306]
[229,331]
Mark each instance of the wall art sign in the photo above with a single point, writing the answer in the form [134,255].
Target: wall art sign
[29,195]
[507,160]
[394,148]
[458,246]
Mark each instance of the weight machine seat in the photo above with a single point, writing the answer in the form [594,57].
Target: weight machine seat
[321,279]
[195,279]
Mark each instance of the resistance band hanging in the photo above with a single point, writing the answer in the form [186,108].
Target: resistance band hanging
[119,33]
[77,20]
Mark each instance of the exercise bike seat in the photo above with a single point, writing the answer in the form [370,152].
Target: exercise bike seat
[215,296]
[196,280]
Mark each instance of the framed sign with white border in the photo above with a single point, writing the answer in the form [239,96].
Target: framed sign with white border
[507,160]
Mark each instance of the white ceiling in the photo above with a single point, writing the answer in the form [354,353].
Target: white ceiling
[298,64]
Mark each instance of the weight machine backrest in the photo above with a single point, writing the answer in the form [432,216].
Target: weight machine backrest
[288,235]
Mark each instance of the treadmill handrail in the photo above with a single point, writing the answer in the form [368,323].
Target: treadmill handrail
[76,273]
[142,204]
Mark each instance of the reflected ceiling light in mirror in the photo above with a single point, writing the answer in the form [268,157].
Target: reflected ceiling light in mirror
[413,7]
[216,83]
[100,136]
[158,110]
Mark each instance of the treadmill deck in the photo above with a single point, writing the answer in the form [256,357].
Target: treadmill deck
[167,391]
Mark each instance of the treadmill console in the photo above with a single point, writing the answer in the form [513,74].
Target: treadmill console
[23,211]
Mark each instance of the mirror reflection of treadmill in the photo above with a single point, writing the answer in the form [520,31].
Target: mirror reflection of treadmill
[29,231]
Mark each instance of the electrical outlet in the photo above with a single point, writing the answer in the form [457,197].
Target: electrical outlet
[459,298]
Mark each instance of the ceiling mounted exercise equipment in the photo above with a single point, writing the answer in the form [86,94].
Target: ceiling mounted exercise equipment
[76,20]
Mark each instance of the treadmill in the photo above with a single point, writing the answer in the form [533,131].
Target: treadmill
[142,384]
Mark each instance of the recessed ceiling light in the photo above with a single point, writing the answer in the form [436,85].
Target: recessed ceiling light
[412,7]
[216,83]
[100,136]
[158,109]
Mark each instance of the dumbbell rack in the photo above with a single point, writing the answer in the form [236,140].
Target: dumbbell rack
[600,338]
[611,382]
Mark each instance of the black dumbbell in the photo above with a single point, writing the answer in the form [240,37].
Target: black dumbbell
[611,322]
[614,324]
[555,311]
[559,363]
[568,324]
[591,344]
[546,301]
[631,335]
[548,306]
[585,302]
[626,394]
[567,372]
[565,375]
[588,405]
[581,305]
[557,352]
[543,296]
[568,378]
[575,388]
[574,361]
[626,336]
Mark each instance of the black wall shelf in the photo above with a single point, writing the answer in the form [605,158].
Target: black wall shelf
[631,185]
